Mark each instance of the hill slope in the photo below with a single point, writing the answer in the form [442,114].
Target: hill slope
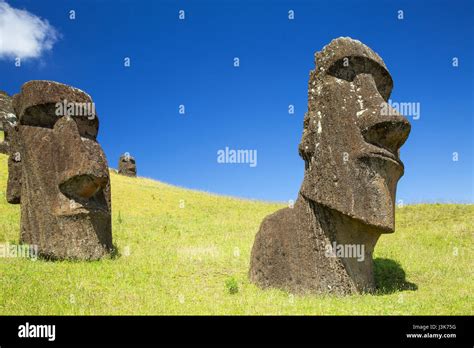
[183,259]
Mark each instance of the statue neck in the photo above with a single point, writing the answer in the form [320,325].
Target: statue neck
[347,243]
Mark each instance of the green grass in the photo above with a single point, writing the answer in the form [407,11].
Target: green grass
[193,259]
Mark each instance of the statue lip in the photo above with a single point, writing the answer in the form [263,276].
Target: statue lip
[82,209]
[388,156]
[83,213]
[384,154]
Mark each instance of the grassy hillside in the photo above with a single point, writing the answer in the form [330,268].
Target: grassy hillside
[193,259]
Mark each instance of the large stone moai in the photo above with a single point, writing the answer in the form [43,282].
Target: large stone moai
[7,121]
[350,145]
[63,182]
[127,165]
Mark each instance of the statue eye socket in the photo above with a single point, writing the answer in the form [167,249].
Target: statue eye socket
[348,68]
[345,73]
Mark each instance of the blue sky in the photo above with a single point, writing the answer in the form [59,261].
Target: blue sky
[190,62]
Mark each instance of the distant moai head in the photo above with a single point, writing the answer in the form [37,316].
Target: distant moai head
[351,137]
[64,188]
[127,165]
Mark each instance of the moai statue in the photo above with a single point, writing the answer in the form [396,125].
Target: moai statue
[63,185]
[350,145]
[127,165]
[7,120]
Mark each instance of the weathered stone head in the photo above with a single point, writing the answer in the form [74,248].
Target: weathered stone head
[350,145]
[127,165]
[351,137]
[64,185]
[7,120]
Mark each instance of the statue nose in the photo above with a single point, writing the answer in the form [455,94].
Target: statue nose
[389,132]
[83,187]
[81,164]
[380,124]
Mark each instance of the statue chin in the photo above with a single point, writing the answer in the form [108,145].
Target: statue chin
[367,194]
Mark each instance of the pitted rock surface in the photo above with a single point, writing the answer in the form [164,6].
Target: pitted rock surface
[7,118]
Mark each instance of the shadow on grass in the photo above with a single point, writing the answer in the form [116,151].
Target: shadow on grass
[390,277]
[115,253]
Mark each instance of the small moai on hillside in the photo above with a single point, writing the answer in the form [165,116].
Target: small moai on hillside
[350,145]
[127,165]
[59,173]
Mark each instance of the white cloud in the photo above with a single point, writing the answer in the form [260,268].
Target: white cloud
[22,34]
